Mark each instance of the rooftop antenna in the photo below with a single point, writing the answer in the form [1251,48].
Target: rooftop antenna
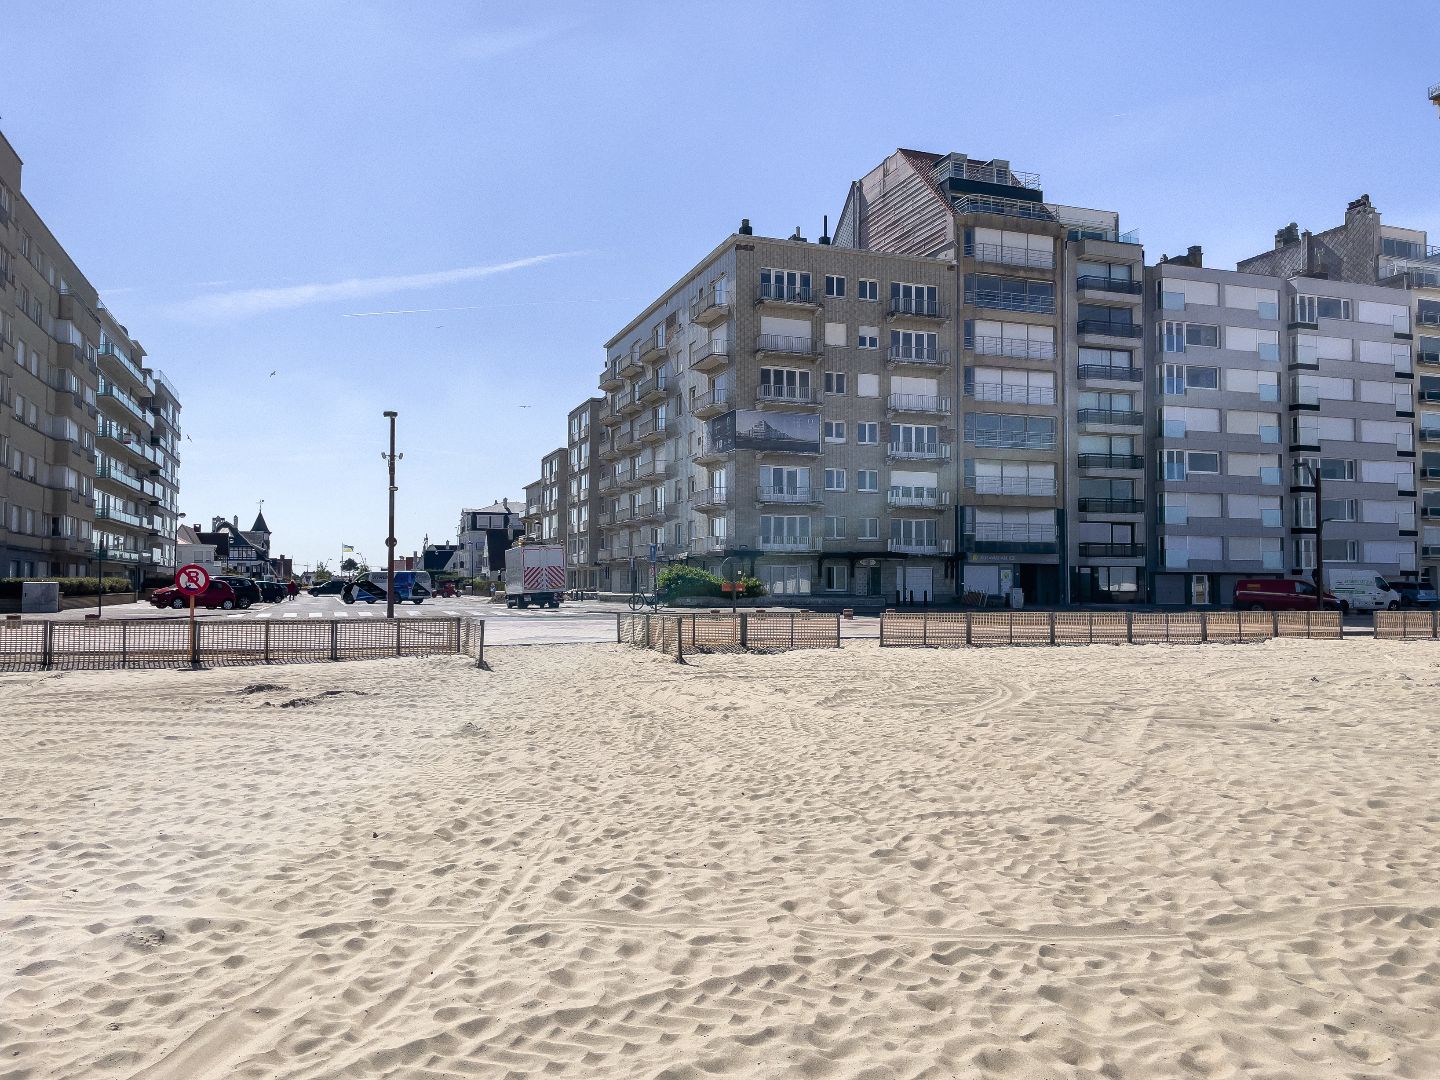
[825,230]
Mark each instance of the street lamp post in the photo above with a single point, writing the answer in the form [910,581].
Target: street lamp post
[390,537]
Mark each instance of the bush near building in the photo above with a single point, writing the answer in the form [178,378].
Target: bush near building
[10,588]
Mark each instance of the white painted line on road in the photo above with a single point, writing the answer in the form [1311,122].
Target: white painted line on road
[263,615]
[366,614]
[316,614]
[292,614]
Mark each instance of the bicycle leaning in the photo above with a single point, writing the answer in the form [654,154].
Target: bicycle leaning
[641,600]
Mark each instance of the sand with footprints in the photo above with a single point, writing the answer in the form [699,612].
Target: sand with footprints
[589,862]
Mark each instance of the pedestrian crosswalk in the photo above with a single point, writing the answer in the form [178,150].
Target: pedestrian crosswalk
[340,614]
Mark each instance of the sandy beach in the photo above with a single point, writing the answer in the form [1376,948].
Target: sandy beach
[1115,862]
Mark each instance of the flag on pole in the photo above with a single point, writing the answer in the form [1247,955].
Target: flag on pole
[346,549]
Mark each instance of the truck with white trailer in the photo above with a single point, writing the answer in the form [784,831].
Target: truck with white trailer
[534,574]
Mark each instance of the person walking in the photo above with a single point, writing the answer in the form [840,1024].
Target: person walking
[292,590]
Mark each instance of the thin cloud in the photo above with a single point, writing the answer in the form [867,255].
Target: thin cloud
[493,307]
[245,302]
[490,44]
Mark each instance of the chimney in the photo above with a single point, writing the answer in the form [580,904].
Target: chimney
[745,229]
[797,237]
[825,230]
[1359,208]
[1290,234]
[1194,255]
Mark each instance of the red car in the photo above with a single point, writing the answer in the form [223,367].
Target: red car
[1281,594]
[216,595]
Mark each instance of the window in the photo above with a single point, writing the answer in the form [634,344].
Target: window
[911,345]
[1003,430]
[869,529]
[784,531]
[1098,318]
[865,289]
[1178,378]
[912,532]
[1202,461]
[867,434]
[914,439]
[1311,309]
[777,481]
[868,338]
[1179,464]
[834,479]
[1341,551]
[910,299]
[835,431]
[1338,510]
[834,382]
[784,285]
[1107,358]
[834,286]
[836,577]
[867,480]
[834,529]
[784,384]
[1401,249]
[1337,469]
[786,580]
[1178,336]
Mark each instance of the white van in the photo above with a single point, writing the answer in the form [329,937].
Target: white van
[1361,590]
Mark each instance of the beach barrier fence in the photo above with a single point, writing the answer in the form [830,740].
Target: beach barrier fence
[1408,625]
[755,631]
[137,643]
[976,629]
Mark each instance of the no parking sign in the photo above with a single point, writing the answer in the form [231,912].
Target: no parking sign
[192,579]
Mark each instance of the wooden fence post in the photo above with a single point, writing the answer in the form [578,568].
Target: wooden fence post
[1052,629]
[969,638]
[744,631]
[47,655]
[924,628]
[457,635]
[397,636]
[1434,623]
[792,630]
[267,643]
[1204,627]
[680,639]
[1129,628]
[334,639]
[1275,623]
[124,644]
[194,641]
[618,639]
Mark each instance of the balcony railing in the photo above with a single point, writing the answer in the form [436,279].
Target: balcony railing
[109,513]
[986,172]
[707,545]
[1111,506]
[788,544]
[1110,328]
[1112,551]
[1023,486]
[797,497]
[710,306]
[712,403]
[918,547]
[1127,417]
[986,345]
[787,345]
[918,307]
[712,498]
[1011,256]
[111,393]
[900,354]
[650,429]
[648,511]
[919,451]
[1429,359]
[107,471]
[1106,284]
[919,403]
[970,203]
[786,395]
[1105,371]
[1006,440]
[1022,539]
[934,500]
[1019,395]
[710,451]
[1006,301]
[1111,461]
[711,356]
[1429,434]
[782,294]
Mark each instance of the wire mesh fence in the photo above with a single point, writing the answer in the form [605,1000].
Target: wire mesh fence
[678,635]
[1408,625]
[125,643]
[1018,628]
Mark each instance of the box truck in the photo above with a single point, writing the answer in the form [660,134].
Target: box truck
[534,574]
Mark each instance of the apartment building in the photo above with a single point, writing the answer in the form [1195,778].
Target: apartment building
[787,410]
[582,498]
[1049,387]
[531,519]
[484,535]
[1263,382]
[88,431]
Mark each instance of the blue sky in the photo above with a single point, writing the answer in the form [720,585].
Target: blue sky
[242,181]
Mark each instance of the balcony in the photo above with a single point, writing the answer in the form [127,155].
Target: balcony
[610,483]
[935,451]
[984,172]
[788,296]
[995,204]
[997,538]
[652,350]
[1015,486]
[985,345]
[707,545]
[1008,440]
[610,379]
[710,500]
[107,471]
[108,392]
[805,496]
[1115,374]
[918,404]
[1111,461]
[710,357]
[919,357]
[710,307]
[783,345]
[1109,328]
[651,391]
[629,365]
[786,396]
[624,440]
[711,453]
[646,470]
[1003,255]
[1096,283]
[1014,395]
[628,405]
[623,514]
[609,416]
[109,513]
[1112,506]
[605,518]
[648,511]
[650,430]
[118,361]
[711,404]
[914,307]
[1008,301]
[111,437]
[1112,551]
[935,500]
[1117,417]
[912,547]
[794,544]
[612,449]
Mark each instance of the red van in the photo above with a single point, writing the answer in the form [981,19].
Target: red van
[1281,594]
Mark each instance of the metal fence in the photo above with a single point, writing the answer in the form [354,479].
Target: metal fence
[124,643]
[985,628]
[759,631]
[1408,625]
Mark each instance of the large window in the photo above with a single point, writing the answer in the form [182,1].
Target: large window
[913,532]
[909,299]
[1006,431]
[867,480]
[1178,336]
[1178,378]
[791,285]
[1310,309]
[1010,294]
[911,345]
[790,531]
[834,286]
[784,384]
[914,438]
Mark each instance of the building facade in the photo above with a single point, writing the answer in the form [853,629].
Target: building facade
[88,431]
[483,537]
[582,497]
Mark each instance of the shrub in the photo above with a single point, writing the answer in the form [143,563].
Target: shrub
[10,588]
[680,580]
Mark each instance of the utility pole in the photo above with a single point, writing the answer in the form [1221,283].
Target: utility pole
[390,536]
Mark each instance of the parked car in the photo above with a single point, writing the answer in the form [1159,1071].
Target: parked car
[1362,590]
[1416,594]
[246,591]
[217,595]
[331,587]
[1281,594]
[272,592]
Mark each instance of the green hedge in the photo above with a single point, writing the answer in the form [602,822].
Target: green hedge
[678,579]
[75,586]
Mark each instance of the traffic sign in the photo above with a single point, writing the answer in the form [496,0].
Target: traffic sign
[192,579]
